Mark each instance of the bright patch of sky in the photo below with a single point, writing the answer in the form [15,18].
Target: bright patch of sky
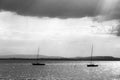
[57,37]
[14,26]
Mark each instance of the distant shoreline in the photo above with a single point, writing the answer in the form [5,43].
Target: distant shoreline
[96,58]
[21,60]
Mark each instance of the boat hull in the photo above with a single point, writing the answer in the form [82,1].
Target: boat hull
[37,64]
[92,65]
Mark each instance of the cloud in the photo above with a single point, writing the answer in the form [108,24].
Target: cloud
[14,26]
[51,8]
[118,30]
[109,8]
[63,8]
[57,37]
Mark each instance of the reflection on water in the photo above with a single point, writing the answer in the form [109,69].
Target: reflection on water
[60,71]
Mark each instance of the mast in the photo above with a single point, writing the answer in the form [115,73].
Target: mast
[91,53]
[91,64]
[38,54]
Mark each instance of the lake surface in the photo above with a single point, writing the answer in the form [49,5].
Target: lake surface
[76,70]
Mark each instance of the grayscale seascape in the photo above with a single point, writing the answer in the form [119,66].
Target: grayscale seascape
[59,39]
[76,70]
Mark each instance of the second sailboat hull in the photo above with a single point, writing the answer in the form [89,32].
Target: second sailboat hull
[92,65]
[38,64]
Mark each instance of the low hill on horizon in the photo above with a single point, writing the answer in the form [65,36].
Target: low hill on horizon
[27,56]
[21,56]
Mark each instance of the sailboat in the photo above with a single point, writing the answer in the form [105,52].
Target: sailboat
[37,60]
[91,64]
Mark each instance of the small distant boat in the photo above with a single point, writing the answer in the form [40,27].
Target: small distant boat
[37,60]
[91,64]
[38,64]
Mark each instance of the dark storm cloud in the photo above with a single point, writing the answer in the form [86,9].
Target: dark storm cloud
[118,30]
[51,8]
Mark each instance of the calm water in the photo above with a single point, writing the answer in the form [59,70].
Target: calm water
[60,71]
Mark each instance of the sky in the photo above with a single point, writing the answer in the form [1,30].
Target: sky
[65,28]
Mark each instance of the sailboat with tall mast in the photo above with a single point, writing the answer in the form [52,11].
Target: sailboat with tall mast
[91,64]
[37,59]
